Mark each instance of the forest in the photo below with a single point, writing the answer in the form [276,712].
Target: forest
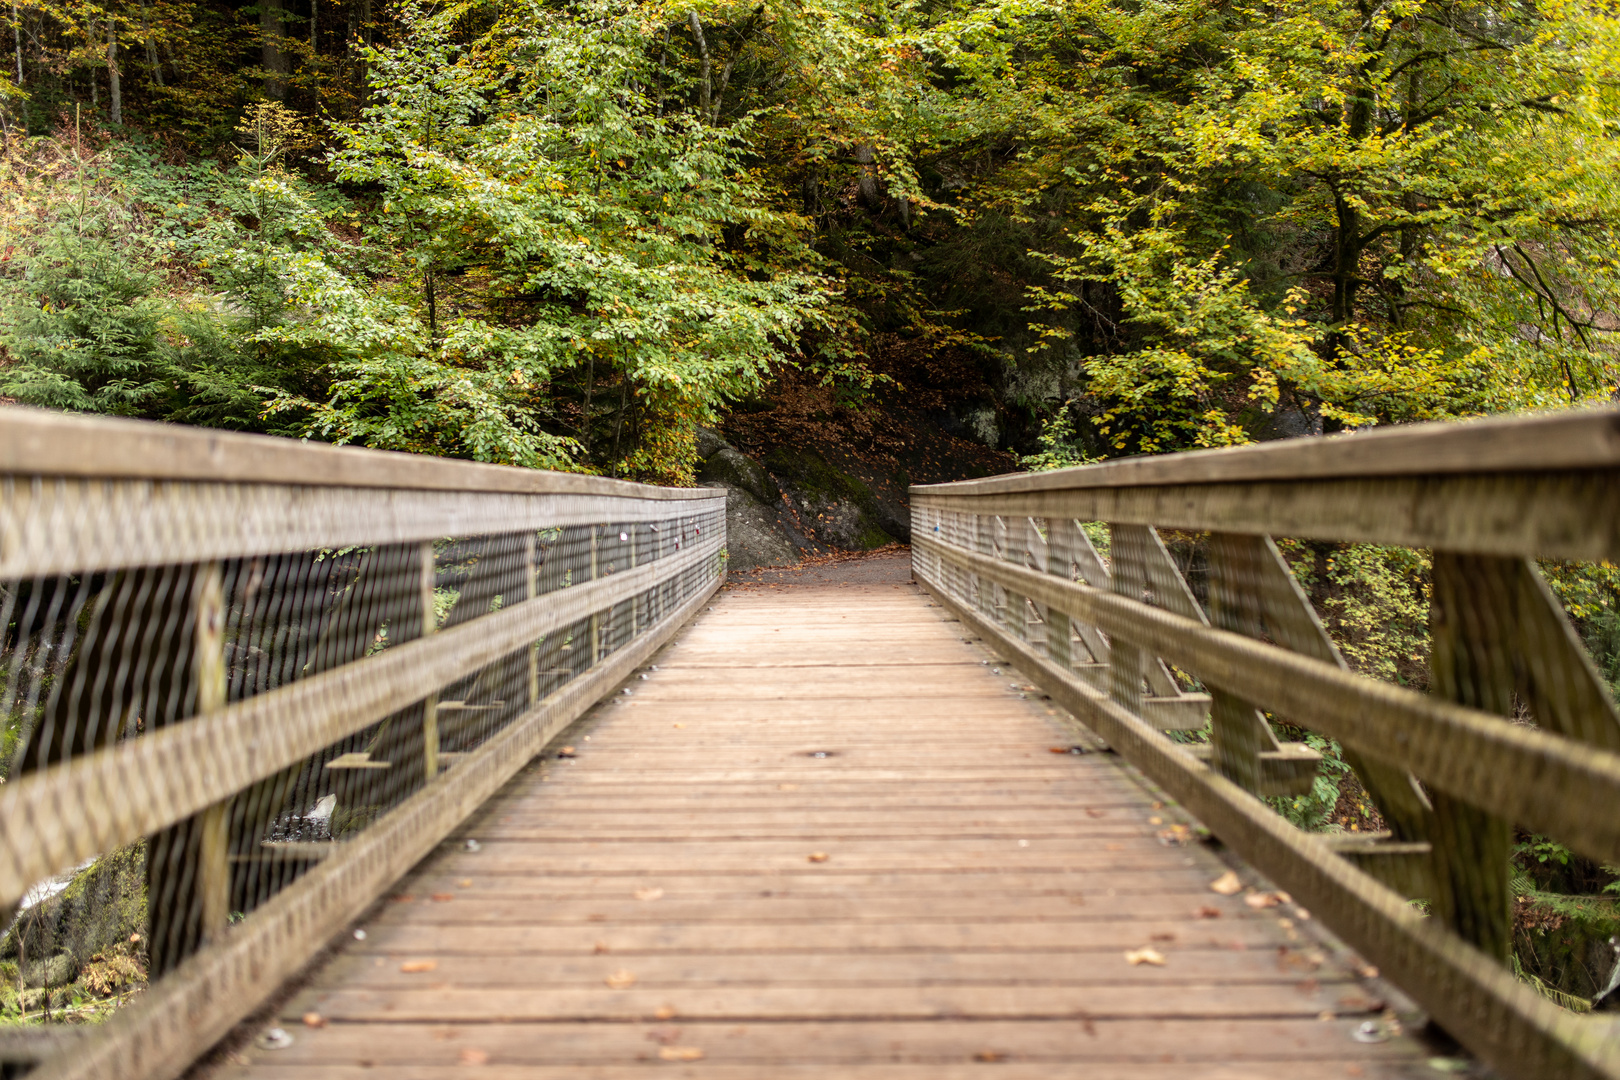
[938,237]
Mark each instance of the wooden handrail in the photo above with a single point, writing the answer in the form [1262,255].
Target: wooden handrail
[1008,556]
[214,640]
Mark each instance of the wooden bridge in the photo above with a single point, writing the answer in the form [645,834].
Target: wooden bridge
[433,766]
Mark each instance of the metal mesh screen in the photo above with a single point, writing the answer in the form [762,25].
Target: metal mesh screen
[1204,661]
[184,744]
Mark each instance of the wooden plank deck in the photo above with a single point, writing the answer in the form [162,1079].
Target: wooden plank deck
[698,894]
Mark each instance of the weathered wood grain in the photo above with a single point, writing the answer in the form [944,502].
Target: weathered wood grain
[974,905]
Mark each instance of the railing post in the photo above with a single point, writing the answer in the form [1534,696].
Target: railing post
[1060,547]
[208,672]
[635,601]
[1238,733]
[1468,665]
[1015,549]
[596,617]
[531,586]
[1128,577]
[430,707]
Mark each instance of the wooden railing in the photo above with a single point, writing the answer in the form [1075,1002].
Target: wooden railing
[272,676]
[1517,728]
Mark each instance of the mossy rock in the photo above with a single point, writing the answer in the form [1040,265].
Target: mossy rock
[810,471]
[842,509]
[734,469]
[103,905]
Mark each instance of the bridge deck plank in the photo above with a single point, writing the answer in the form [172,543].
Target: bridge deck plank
[655,898]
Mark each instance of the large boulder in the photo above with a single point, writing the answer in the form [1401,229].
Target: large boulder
[735,470]
[841,509]
[758,532]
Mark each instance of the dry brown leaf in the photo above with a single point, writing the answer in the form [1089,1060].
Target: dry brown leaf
[680,1053]
[1155,820]
[567,751]
[665,1012]
[649,894]
[314,1019]
[464,883]
[469,1056]
[444,897]
[1259,900]
[1145,955]
[1228,884]
[414,967]
[819,856]
[988,1055]
[621,980]
[1092,811]
[601,947]
[680,725]
[1205,911]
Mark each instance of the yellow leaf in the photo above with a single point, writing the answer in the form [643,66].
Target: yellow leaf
[1145,955]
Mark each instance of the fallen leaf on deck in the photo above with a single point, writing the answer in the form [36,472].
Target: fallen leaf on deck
[402,898]
[601,947]
[567,751]
[1162,937]
[988,1055]
[819,856]
[1228,884]
[1155,820]
[470,1056]
[464,883]
[649,894]
[665,1012]
[680,725]
[1207,912]
[680,1053]
[413,967]
[314,1019]
[1262,900]
[444,897]
[621,980]
[1092,811]
[1145,955]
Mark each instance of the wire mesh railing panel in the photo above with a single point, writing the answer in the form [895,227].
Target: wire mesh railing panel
[209,764]
[1189,662]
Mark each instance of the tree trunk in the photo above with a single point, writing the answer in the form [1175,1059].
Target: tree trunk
[16,37]
[274,59]
[705,84]
[115,89]
[868,179]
